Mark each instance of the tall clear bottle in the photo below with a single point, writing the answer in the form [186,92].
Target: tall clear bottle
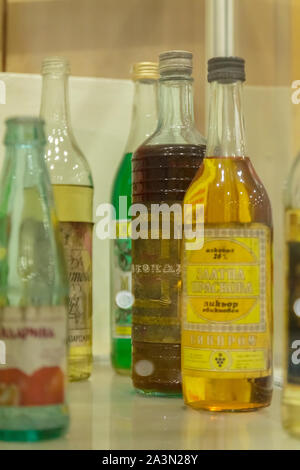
[291,389]
[33,292]
[73,192]
[162,169]
[143,123]
[227,283]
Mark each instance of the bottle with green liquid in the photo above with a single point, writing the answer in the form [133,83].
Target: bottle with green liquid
[143,123]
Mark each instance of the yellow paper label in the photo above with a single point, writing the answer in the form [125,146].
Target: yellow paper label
[123,331]
[73,203]
[227,302]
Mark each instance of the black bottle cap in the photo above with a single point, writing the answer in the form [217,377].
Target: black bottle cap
[226,69]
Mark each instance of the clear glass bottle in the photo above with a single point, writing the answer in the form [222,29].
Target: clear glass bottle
[143,123]
[73,192]
[162,169]
[227,283]
[33,292]
[291,389]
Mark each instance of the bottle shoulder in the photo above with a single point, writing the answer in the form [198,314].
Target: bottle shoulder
[231,191]
[176,135]
[65,160]
[122,181]
[138,134]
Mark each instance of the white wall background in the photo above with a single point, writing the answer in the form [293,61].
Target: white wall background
[101,110]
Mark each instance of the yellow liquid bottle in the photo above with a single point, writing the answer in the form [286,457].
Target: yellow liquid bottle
[227,282]
[73,191]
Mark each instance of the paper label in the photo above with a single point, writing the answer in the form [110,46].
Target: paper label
[157,281]
[36,350]
[227,302]
[122,282]
[77,241]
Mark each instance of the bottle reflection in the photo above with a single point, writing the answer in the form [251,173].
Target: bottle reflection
[121,406]
[82,407]
[138,422]
[206,430]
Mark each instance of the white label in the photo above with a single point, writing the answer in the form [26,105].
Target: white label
[124,299]
[34,337]
[36,355]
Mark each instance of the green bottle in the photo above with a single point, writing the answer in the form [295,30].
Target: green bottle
[143,123]
[33,292]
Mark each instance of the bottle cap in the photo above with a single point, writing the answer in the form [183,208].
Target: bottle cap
[55,64]
[175,63]
[226,69]
[145,70]
[24,131]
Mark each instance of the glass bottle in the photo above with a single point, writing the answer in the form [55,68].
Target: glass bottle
[73,192]
[162,169]
[33,292]
[143,123]
[227,282]
[291,389]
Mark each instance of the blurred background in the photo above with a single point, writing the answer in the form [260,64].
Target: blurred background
[102,38]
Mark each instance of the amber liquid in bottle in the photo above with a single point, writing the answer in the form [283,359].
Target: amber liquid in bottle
[161,174]
[235,198]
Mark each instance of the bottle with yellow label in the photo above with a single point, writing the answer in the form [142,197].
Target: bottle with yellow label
[291,389]
[73,191]
[227,273]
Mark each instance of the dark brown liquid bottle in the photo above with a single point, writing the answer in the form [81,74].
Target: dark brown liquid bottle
[162,169]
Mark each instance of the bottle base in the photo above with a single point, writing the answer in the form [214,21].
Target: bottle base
[155,393]
[229,407]
[121,355]
[222,394]
[80,369]
[33,423]
[79,377]
[31,435]
[157,369]
[291,411]
[124,372]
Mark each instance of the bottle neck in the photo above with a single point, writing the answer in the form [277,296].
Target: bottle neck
[144,113]
[55,101]
[226,133]
[176,103]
